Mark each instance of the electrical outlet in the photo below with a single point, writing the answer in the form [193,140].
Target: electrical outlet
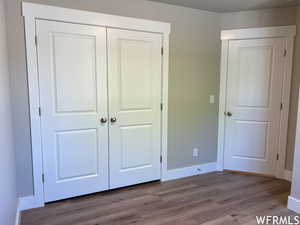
[211,99]
[195,152]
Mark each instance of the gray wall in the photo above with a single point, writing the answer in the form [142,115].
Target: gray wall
[194,72]
[294,97]
[295,192]
[17,69]
[259,18]
[273,17]
[8,193]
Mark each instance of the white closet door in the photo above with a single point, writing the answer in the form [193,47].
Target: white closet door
[73,97]
[255,74]
[134,71]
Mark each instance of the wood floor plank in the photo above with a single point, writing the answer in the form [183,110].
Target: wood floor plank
[218,198]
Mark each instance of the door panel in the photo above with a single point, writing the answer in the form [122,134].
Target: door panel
[254,76]
[254,86]
[135,138]
[134,60]
[73,96]
[75,72]
[251,138]
[135,57]
[82,160]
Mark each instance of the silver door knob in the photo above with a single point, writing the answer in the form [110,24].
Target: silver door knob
[113,119]
[103,120]
[229,114]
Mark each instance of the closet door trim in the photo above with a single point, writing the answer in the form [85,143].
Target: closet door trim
[288,34]
[92,18]
[31,13]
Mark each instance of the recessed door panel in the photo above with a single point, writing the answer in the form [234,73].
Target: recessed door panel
[254,76]
[254,87]
[77,154]
[74,70]
[135,68]
[252,140]
[136,147]
[73,96]
[134,60]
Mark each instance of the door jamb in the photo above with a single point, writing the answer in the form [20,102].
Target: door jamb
[286,32]
[31,12]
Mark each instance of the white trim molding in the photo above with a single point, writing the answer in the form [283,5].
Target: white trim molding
[165,110]
[294,204]
[28,202]
[285,99]
[286,32]
[189,171]
[18,214]
[288,175]
[222,104]
[31,13]
[39,11]
[262,32]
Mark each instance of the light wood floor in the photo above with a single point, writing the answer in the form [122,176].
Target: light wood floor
[219,198]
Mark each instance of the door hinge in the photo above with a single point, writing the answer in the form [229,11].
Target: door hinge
[161,107]
[35,39]
[281,106]
[162,50]
[43,178]
[277,157]
[285,53]
[40,111]
[160,159]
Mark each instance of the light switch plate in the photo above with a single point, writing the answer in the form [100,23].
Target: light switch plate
[211,99]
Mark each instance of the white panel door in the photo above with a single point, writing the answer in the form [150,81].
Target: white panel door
[134,71]
[73,96]
[254,86]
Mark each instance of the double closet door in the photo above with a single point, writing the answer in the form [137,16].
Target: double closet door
[100,95]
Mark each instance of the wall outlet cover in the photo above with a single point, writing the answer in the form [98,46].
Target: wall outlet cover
[195,152]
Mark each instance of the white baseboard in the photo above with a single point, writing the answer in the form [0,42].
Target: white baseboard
[28,202]
[294,204]
[18,214]
[288,175]
[219,167]
[189,171]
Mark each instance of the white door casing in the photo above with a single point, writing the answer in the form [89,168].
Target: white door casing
[73,97]
[134,71]
[254,90]
[33,12]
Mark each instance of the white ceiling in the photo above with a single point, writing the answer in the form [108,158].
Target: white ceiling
[231,5]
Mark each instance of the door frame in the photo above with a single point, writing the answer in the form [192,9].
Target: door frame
[31,12]
[286,32]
